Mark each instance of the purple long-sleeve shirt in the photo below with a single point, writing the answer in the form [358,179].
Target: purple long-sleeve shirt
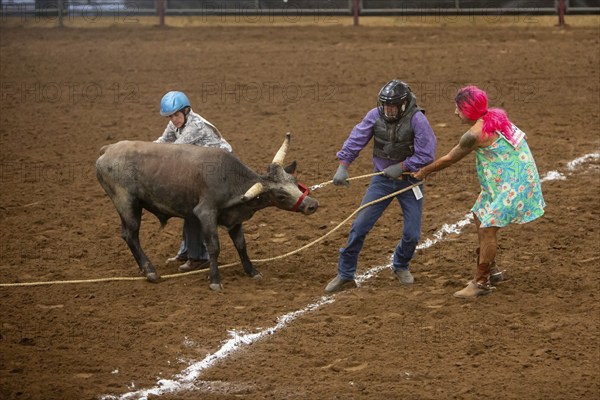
[424,143]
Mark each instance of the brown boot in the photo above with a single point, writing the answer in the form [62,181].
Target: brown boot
[496,276]
[480,285]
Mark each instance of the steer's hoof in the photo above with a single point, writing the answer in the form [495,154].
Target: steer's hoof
[257,276]
[217,287]
[153,277]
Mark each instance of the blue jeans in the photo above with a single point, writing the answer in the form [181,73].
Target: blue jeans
[412,210]
[192,244]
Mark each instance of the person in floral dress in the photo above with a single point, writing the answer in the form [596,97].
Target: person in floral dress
[511,191]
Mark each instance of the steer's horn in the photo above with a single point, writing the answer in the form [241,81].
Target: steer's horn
[254,191]
[280,156]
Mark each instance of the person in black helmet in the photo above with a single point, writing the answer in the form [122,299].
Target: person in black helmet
[187,127]
[403,141]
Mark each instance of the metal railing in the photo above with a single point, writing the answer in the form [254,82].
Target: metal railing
[292,7]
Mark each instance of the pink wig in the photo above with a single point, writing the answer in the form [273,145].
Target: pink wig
[473,104]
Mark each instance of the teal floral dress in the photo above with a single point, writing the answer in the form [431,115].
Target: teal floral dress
[511,191]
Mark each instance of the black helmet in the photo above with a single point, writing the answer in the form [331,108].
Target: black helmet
[394,92]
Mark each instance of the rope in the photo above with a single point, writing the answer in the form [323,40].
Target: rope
[124,278]
[320,185]
[340,224]
[362,207]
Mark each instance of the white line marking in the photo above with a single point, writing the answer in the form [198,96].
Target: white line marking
[553,176]
[582,160]
[571,166]
[185,380]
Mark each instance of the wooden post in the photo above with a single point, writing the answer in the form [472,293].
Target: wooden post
[561,13]
[59,5]
[160,5]
[355,11]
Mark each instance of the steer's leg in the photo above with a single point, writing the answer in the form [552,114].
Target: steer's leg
[237,236]
[131,218]
[208,221]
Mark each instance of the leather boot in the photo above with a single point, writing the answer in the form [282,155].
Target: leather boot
[496,276]
[480,285]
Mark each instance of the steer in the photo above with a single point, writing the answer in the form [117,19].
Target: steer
[187,181]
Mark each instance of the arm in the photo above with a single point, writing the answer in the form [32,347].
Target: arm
[168,135]
[424,148]
[467,143]
[358,139]
[424,144]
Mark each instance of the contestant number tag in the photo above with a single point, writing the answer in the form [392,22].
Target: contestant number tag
[417,192]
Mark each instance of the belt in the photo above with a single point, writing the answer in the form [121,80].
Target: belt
[403,177]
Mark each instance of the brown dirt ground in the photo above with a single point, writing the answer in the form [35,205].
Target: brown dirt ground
[65,93]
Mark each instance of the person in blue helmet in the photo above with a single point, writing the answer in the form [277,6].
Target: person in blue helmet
[187,127]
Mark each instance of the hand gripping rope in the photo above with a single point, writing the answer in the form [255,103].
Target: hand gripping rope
[306,246]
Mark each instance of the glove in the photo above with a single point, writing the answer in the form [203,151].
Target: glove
[394,171]
[341,176]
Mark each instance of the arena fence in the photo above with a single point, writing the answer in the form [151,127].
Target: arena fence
[290,9]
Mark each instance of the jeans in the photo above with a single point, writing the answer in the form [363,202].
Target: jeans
[192,244]
[412,210]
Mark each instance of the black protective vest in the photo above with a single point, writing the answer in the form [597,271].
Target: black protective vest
[395,140]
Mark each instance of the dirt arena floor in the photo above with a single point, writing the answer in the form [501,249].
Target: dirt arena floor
[66,93]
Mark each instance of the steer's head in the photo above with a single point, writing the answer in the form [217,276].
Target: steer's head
[280,186]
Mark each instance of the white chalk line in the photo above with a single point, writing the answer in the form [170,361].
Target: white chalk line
[571,166]
[186,380]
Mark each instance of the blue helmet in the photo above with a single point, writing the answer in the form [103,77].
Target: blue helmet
[173,102]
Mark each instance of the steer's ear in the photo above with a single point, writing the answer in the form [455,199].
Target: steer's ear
[291,168]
